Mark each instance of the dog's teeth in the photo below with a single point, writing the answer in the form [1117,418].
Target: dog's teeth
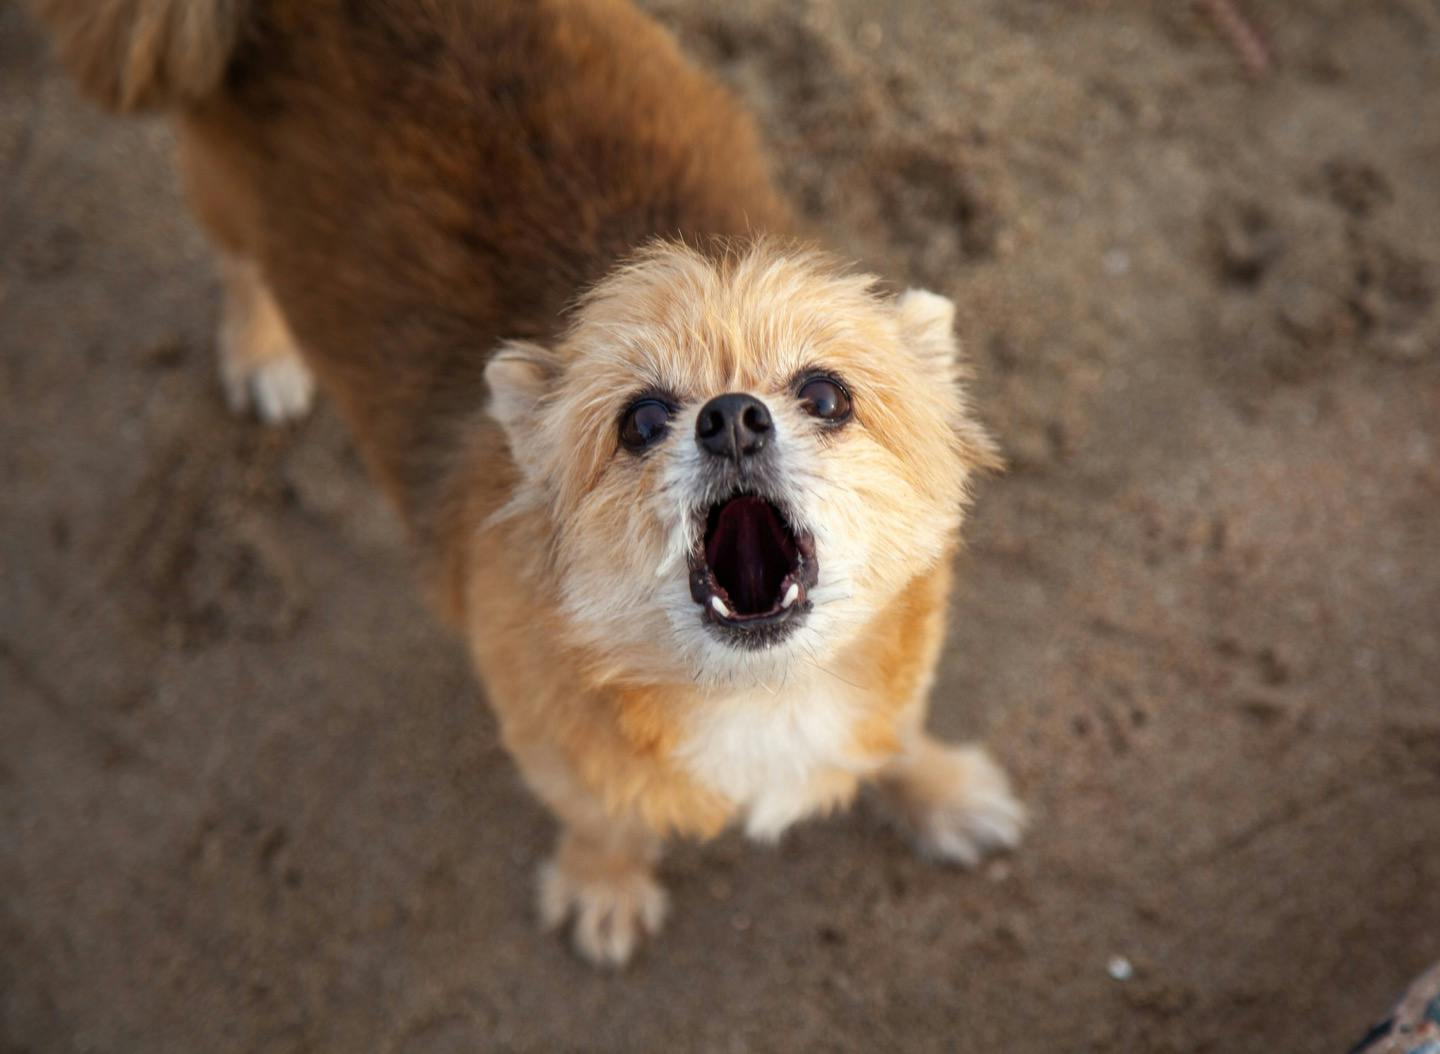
[720,608]
[791,595]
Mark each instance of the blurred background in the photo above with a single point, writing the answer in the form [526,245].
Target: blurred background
[251,799]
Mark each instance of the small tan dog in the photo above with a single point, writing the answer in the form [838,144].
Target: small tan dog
[690,491]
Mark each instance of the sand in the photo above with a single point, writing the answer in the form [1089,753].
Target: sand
[251,798]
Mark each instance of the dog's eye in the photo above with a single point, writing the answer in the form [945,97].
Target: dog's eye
[644,423]
[825,398]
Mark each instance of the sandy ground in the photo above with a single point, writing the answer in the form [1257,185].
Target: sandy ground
[250,799]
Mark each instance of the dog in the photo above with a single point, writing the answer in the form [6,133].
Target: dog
[688,487]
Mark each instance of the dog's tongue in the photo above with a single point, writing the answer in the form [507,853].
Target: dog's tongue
[747,550]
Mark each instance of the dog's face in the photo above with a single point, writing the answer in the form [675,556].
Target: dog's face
[741,460]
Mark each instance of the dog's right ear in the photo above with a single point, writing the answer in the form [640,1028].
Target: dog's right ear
[518,377]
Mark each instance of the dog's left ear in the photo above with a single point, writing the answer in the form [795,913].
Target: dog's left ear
[927,322]
[518,376]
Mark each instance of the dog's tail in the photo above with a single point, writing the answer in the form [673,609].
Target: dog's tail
[145,54]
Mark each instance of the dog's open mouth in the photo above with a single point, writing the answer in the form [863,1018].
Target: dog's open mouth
[751,570]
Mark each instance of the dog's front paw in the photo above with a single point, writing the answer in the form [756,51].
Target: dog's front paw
[612,914]
[958,804]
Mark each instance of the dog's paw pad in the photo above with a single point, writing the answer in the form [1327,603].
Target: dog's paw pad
[610,916]
[277,391]
[978,815]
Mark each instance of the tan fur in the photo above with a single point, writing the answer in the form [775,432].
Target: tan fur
[900,653]
[260,365]
[142,54]
[486,227]
[955,801]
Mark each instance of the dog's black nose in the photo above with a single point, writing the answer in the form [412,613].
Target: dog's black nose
[733,426]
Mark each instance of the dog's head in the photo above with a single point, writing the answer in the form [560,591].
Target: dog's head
[740,458]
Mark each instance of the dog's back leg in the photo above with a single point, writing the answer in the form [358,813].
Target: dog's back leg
[260,365]
[173,55]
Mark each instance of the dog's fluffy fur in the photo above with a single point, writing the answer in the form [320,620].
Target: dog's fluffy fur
[487,229]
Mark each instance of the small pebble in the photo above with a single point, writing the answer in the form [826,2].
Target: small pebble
[1119,968]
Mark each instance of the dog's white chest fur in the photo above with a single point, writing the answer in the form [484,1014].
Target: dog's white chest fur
[765,751]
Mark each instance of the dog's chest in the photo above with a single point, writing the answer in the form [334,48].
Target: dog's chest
[777,757]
